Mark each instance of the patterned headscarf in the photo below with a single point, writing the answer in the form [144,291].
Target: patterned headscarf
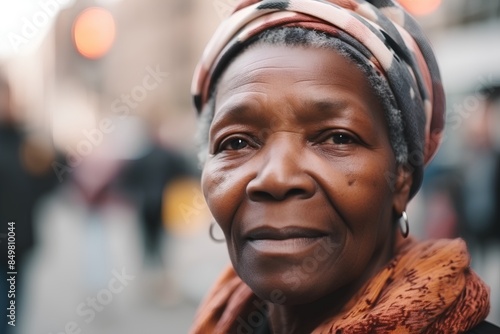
[389,38]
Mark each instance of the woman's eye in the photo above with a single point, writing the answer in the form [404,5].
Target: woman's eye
[234,144]
[342,139]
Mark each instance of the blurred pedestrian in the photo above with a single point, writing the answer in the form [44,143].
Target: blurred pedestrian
[25,176]
[479,201]
[145,179]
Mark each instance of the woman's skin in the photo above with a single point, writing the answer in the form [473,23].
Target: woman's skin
[297,178]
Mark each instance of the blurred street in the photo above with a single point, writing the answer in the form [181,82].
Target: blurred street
[76,262]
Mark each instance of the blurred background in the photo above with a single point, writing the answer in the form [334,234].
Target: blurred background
[98,165]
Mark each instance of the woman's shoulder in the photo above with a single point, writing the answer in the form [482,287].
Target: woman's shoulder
[485,328]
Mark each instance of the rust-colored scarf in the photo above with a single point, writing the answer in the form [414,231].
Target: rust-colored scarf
[427,288]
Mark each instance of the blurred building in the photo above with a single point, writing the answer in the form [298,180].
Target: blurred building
[151,35]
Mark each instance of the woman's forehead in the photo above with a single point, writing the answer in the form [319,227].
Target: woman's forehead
[316,77]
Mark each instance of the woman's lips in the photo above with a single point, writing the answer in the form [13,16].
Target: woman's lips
[283,233]
[285,240]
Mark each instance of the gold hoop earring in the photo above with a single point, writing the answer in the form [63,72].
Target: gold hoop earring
[404,226]
[211,233]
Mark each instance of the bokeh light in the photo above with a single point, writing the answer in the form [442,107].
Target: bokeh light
[94,32]
[420,7]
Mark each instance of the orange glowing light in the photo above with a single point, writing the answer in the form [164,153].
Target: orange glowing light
[420,7]
[94,32]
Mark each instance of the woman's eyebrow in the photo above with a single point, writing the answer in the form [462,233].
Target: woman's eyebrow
[323,109]
[235,113]
[309,111]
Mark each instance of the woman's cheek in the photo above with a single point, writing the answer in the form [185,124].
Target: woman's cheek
[221,192]
[370,172]
[364,190]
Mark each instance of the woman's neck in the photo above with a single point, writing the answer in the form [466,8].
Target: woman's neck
[304,318]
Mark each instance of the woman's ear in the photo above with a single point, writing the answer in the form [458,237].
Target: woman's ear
[402,187]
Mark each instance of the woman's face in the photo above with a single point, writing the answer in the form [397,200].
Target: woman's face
[297,175]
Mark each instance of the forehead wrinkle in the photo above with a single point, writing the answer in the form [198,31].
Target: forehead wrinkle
[252,74]
[252,68]
[255,87]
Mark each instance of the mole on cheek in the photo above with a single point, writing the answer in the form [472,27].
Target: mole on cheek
[351,182]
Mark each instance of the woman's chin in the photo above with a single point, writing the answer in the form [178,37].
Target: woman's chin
[282,294]
[287,285]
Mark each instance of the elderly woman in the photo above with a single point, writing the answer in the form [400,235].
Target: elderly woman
[317,119]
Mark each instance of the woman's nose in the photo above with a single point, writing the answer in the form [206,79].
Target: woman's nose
[281,175]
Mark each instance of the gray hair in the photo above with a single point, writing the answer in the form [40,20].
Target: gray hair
[302,37]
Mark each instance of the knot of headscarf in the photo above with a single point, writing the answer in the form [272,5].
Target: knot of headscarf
[381,30]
